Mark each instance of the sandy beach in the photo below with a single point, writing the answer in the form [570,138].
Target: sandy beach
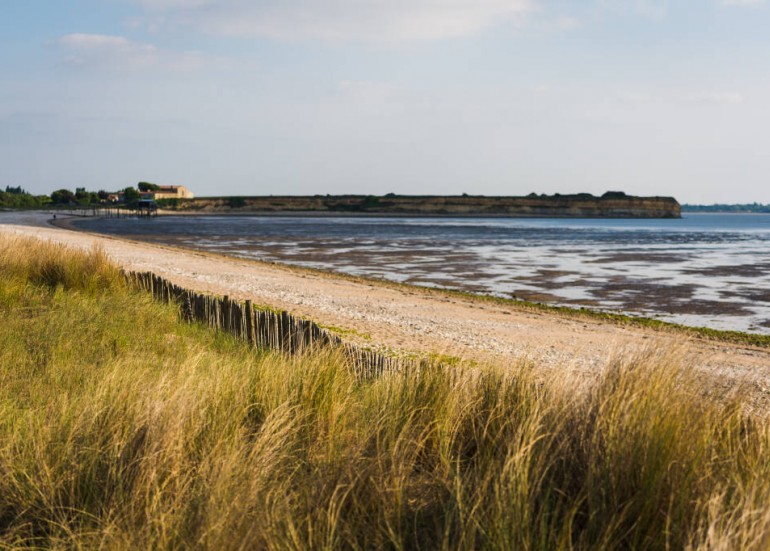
[414,320]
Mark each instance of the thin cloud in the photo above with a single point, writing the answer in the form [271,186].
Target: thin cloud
[741,2]
[368,92]
[567,23]
[340,20]
[118,52]
[725,98]
[697,97]
[648,8]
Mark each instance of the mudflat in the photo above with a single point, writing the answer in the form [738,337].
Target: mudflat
[415,320]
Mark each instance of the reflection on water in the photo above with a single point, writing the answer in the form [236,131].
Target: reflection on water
[705,270]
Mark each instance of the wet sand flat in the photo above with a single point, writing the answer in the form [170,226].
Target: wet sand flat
[705,271]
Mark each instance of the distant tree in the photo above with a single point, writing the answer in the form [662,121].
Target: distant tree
[130,195]
[147,186]
[747,207]
[18,198]
[63,197]
[85,197]
[102,195]
[24,200]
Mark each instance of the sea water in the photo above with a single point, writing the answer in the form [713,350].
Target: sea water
[710,270]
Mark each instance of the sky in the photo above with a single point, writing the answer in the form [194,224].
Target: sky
[487,97]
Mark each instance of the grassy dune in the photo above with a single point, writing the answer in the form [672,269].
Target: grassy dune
[121,427]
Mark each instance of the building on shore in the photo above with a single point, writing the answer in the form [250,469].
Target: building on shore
[163,192]
[172,192]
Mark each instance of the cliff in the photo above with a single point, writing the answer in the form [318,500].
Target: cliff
[584,205]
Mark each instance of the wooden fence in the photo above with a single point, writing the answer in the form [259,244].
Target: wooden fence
[264,329]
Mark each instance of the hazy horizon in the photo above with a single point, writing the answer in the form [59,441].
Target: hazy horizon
[426,97]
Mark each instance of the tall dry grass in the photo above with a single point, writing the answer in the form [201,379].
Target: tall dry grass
[24,260]
[122,428]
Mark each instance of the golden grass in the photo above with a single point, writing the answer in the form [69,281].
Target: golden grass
[24,260]
[121,427]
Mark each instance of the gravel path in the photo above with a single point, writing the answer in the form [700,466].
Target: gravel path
[409,319]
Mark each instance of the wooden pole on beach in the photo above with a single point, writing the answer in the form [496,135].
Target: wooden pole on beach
[249,322]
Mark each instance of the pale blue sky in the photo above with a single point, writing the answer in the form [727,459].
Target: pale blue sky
[493,97]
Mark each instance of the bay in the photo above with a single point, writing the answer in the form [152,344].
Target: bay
[710,270]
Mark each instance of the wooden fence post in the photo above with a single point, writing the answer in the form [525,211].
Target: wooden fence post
[249,322]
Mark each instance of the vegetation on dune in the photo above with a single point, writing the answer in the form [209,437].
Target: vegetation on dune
[51,266]
[122,427]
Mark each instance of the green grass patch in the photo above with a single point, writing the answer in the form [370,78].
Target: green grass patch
[345,331]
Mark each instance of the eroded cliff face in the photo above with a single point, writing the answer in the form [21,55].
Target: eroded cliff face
[610,205]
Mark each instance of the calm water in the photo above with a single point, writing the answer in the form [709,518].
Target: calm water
[708,270]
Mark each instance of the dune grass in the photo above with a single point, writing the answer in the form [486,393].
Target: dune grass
[121,427]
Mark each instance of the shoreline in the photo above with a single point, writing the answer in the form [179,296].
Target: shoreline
[416,320]
[525,299]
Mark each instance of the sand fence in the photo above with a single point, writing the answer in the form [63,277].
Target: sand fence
[265,328]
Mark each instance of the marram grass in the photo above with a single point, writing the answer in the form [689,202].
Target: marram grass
[122,428]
